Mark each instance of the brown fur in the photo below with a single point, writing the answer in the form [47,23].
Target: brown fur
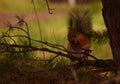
[79,34]
[78,42]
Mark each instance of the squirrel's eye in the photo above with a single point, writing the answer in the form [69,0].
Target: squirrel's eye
[74,35]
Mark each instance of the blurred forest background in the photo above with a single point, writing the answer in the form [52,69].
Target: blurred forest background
[56,28]
[24,68]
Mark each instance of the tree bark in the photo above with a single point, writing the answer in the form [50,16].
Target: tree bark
[111,15]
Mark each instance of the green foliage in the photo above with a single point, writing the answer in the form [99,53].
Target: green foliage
[21,6]
[18,60]
[55,31]
[100,37]
[100,45]
[27,67]
[11,61]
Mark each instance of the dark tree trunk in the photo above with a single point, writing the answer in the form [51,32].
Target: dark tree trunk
[111,14]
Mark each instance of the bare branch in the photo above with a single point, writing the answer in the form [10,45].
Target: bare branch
[56,49]
[49,9]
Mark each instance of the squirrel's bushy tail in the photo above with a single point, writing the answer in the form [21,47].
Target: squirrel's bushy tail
[80,21]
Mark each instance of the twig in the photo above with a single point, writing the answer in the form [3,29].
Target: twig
[38,24]
[53,46]
[49,9]
[96,63]
[22,21]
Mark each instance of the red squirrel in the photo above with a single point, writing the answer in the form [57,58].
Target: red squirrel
[79,34]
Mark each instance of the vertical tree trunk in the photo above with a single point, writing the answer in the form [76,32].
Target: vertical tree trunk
[111,14]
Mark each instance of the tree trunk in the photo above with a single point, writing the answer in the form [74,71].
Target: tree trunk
[111,14]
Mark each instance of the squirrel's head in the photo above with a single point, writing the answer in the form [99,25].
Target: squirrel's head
[72,36]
